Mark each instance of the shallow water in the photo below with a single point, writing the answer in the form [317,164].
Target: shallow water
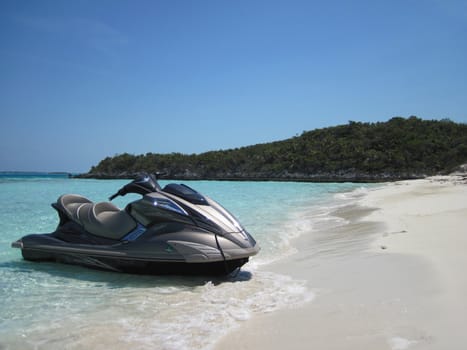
[54,306]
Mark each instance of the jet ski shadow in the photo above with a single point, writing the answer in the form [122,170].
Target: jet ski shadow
[118,279]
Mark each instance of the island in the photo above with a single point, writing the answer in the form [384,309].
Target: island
[400,148]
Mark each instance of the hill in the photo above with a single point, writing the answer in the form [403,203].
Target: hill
[397,149]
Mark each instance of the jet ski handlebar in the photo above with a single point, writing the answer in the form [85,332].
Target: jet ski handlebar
[119,193]
[145,183]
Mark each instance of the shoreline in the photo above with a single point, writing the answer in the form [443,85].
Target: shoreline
[317,178]
[390,277]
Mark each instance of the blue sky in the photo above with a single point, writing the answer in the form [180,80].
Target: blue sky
[83,80]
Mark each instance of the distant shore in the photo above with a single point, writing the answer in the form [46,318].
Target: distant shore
[37,173]
[391,277]
[326,177]
[358,178]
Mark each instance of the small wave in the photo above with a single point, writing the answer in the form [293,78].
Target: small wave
[399,343]
[224,307]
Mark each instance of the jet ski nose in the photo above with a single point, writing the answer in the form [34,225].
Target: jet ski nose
[243,240]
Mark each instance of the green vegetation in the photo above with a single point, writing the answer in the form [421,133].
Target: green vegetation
[396,149]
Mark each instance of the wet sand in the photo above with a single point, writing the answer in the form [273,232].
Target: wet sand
[390,276]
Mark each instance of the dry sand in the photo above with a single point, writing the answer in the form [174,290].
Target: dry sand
[392,276]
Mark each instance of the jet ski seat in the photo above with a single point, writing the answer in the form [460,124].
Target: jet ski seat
[101,219]
[70,203]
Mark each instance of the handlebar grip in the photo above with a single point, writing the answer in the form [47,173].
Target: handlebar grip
[121,192]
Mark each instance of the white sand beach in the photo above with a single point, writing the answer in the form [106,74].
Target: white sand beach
[392,276]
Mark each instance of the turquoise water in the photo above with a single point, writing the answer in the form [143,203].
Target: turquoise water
[54,306]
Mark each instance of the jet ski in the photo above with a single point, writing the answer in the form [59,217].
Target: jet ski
[170,230]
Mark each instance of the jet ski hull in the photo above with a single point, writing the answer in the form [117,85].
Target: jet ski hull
[109,258]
